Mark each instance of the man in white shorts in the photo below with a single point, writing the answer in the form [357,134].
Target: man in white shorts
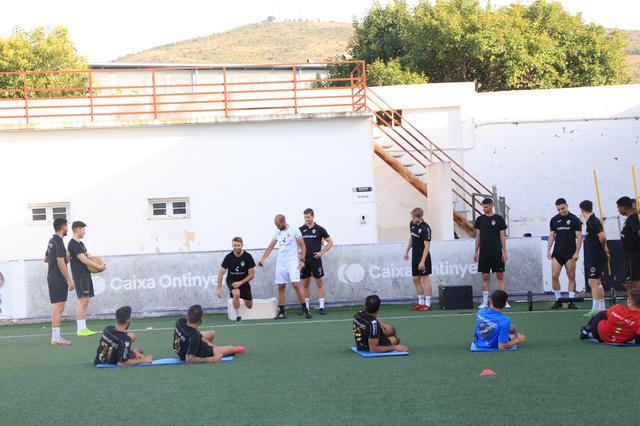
[291,254]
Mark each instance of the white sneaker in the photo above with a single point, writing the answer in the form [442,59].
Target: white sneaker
[507,306]
[483,305]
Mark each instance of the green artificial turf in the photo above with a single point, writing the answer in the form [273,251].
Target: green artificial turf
[301,372]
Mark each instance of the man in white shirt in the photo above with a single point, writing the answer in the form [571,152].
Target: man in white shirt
[291,254]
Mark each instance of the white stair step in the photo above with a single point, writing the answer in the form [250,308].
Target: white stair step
[408,164]
[419,174]
[387,145]
[397,154]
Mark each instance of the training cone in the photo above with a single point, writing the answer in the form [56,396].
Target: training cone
[239,349]
[488,373]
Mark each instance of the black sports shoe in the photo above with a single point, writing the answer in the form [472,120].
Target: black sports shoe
[572,305]
[281,315]
[238,318]
[585,333]
[321,311]
[300,312]
[307,314]
[557,305]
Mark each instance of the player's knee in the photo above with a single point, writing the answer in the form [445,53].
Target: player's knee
[235,293]
[248,304]
[395,340]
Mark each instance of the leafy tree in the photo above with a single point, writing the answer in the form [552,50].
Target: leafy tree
[41,50]
[381,74]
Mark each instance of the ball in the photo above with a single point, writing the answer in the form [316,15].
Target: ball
[95,259]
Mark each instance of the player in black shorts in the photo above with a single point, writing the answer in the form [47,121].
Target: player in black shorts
[58,278]
[565,235]
[630,239]
[419,244]
[240,268]
[80,261]
[116,343]
[490,249]
[371,334]
[314,237]
[194,347]
[596,255]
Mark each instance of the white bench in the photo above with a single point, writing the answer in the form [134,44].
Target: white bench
[262,309]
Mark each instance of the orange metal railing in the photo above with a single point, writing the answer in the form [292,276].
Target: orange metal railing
[90,95]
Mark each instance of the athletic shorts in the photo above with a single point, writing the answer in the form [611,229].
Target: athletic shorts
[287,274]
[245,291]
[415,271]
[204,351]
[593,324]
[384,341]
[593,267]
[632,270]
[84,287]
[561,258]
[58,290]
[312,267]
[489,264]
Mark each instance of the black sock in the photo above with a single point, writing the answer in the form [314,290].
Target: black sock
[304,307]
[281,308]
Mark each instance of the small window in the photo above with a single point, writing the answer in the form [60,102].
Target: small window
[169,208]
[389,118]
[47,213]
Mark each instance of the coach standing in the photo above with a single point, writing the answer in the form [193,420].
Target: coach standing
[314,237]
[630,239]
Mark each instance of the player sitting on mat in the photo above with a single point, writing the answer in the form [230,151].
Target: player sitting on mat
[371,334]
[195,347]
[493,329]
[115,343]
[619,324]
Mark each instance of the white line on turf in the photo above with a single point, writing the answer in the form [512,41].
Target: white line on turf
[328,321]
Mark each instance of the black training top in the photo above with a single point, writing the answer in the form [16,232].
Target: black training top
[490,227]
[55,250]
[78,269]
[237,266]
[114,346]
[565,228]
[186,340]
[365,327]
[312,238]
[419,234]
[630,239]
[592,247]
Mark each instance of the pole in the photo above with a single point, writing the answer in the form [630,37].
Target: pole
[595,180]
[635,188]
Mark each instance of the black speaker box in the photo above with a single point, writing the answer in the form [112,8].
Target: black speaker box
[456,297]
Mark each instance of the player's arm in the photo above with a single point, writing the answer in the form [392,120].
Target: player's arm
[520,338]
[267,252]
[550,240]
[326,247]
[302,251]
[406,250]
[576,255]
[144,359]
[250,275]
[503,240]
[90,263]
[221,272]
[65,273]
[425,253]
[602,238]
[477,246]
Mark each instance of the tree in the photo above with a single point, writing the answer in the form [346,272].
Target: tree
[41,50]
[391,73]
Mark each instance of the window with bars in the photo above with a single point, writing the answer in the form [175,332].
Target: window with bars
[168,208]
[47,213]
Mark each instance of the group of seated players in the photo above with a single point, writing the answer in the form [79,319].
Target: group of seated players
[618,324]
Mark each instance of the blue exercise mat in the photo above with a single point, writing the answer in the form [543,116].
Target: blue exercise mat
[162,361]
[474,348]
[367,354]
[614,344]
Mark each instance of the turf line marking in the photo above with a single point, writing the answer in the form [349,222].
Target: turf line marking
[285,322]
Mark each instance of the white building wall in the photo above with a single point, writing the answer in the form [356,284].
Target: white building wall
[237,176]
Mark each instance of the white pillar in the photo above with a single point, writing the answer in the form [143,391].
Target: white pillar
[440,201]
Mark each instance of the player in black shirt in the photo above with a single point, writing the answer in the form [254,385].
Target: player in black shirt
[630,240]
[80,261]
[490,248]
[58,279]
[116,343]
[240,268]
[314,237]
[194,347]
[596,255]
[419,244]
[371,334]
[565,235]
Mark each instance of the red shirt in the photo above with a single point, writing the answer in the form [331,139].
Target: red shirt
[622,325]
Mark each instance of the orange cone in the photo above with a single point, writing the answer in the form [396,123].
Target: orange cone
[488,373]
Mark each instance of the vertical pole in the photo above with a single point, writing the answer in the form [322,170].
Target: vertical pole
[363,81]
[595,181]
[25,96]
[91,93]
[153,84]
[295,90]
[224,82]
[635,188]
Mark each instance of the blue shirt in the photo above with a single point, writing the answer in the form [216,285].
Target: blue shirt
[491,328]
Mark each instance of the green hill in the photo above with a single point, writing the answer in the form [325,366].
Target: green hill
[266,42]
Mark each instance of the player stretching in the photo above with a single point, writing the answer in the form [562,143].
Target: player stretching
[596,254]
[619,324]
[419,242]
[493,329]
[565,235]
[80,261]
[115,343]
[240,268]
[490,249]
[288,264]
[314,237]
[197,348]
[371,334]
[58,279]
[630,239]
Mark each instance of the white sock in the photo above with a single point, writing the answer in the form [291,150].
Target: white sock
[595,305]
[238,312]
[557,293]
[321,303]
[55,333]
[306,302]
[427,300]
[485,297]
[572,295]
[420,299]
[601,306]
[81,324]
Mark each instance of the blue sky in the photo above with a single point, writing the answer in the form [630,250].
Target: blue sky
[106,30]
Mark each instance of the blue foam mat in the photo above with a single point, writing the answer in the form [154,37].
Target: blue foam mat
[613,344]
[474,348]
[367,354]
[161,361]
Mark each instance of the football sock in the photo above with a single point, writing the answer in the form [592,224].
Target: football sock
[281,309]
[485,297]
[237,312]
[595,305]
[572,295]
[304,307]
[321,303]
[55,333]
[306,302]
[420,299]
[427,300]
[81,324]
[557,293]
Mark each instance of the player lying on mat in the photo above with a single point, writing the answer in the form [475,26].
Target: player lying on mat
[619,324]
[115,343]
[493,329]
[195,347]
[371,334]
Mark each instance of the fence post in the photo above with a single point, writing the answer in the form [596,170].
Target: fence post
[224,82]
[363,81]
[153,83]
[295,90]
[25,96]
[91,93]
